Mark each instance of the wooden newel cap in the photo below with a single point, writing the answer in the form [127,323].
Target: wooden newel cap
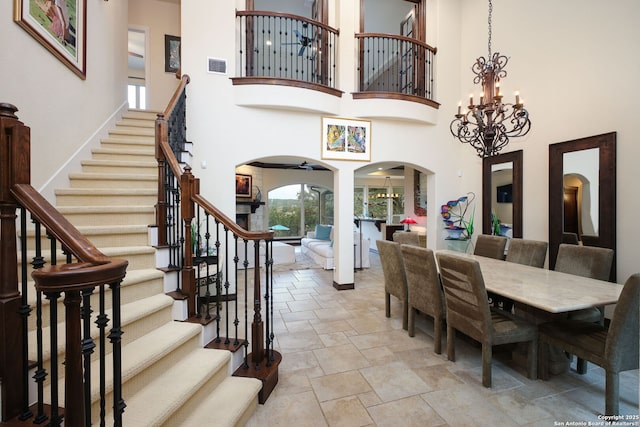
[8,110]
[79,276]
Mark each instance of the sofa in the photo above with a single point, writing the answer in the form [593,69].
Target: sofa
[321,249]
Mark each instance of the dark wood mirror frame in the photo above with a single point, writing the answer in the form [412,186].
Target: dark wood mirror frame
[514,157]
[606,192]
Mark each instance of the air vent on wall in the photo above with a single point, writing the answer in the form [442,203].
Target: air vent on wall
[217,65]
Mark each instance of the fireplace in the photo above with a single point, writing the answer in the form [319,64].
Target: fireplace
[242,219]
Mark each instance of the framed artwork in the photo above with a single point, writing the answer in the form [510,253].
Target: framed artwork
[171,54]
[346,139]
[60,26]
[243,185]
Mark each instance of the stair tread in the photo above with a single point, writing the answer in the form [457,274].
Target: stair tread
[105,209]
[112,176]
[110,162]
[167,394]
[228,402]
[125,151]
[106,191]
[140,354]
[130,312]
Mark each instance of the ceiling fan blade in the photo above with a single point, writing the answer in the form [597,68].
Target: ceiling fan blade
[301,51]
[137,55]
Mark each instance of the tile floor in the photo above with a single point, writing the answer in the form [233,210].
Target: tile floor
[346,364]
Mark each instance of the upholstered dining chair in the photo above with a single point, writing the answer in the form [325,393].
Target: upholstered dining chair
[527,252]
[586,261]
[395,280]
[406,238]
[493,247]
[490,246]
[614,349]
[468,312]
[424,290]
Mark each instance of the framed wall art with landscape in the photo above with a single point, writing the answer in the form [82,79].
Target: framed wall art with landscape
[171,54]
[346,139]
[60,26]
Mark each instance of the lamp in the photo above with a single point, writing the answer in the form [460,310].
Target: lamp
[407,221]
[488,125]
[389,194]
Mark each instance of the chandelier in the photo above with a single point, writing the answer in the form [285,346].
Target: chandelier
[389,194]
[488,125]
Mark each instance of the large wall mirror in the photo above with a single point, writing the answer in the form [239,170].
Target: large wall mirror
[582,194]
[502,194]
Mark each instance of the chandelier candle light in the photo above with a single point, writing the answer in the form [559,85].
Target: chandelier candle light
[488,125]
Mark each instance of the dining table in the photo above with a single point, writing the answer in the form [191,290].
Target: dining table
[542,295]
[547,290]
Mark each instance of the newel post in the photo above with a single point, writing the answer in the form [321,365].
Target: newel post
[161,206]
[14,169]
[188,187]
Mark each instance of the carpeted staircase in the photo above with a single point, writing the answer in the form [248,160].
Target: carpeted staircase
[169,378]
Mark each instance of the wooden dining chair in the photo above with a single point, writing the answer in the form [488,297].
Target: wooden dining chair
[527,252]
[424,290]
[406,238]
[615,349]
[395,280]
[467,311]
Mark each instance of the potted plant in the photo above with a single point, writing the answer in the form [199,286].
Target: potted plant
[454,215]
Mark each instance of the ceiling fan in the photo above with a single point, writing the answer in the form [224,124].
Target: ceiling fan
[304,165]
[303,40]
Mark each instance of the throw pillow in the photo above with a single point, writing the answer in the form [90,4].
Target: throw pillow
[323,232]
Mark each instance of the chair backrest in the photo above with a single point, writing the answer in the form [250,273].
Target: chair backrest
[570,238]
[490,246]
[621,350]
[406,238]
[395,280]
[527,252]
[465,296]
[423,282]
[585,261]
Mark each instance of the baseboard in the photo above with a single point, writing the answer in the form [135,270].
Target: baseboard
[343,286]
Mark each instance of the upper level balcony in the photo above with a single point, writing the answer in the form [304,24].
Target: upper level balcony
[288,50]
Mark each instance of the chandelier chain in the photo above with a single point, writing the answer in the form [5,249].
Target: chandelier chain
[489,22]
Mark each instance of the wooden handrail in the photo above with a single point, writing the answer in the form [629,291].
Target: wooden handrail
[289,16]
[184,81]
[57,225]
[396,37]
[230,224]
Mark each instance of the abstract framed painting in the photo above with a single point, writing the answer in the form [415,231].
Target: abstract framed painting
[346,139]
[58,25]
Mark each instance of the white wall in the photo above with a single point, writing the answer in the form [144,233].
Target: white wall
[63,110]
[573,64]
[160,18]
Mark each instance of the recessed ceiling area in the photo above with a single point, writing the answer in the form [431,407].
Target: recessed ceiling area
[293,163]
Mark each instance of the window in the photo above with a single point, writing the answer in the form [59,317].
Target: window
[137,96]
[296,209]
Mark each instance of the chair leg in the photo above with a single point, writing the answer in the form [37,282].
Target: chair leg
[533,359]
[543,359]
[451,348]
[387,304]
[612,388]
[581,366]
[487,354]
[405,314]
[437,335]
[412,321]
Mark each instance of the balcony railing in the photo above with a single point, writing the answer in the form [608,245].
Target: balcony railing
[394,66]
[275,48]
